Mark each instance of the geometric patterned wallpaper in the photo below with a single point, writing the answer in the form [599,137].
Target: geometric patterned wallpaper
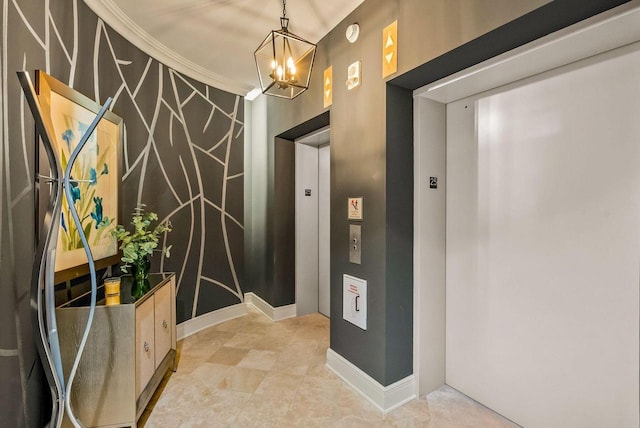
[183,158]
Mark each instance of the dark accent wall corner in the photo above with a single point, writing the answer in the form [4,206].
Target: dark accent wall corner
[284,226]
[399,232]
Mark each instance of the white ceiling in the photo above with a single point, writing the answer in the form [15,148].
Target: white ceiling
[214,40]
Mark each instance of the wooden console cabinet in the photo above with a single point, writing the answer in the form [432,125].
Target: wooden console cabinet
[130,348]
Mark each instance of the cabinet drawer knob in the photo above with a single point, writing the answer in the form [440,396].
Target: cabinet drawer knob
[164,324]
[146,347]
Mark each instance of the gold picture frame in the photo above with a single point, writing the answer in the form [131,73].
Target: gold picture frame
[96,183]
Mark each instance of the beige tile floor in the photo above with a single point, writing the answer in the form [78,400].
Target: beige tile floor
[252,372]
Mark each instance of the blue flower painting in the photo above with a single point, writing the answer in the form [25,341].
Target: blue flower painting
[94,176]
[89,188]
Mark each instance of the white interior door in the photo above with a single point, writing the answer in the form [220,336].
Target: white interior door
[543,245]
[312,223]
[306,229]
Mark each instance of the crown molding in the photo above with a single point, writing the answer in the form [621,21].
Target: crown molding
[111,14]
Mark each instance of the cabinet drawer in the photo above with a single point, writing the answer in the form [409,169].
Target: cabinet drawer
[163,322]
[145,344]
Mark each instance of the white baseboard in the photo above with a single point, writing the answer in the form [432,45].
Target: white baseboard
[274,314]
[210,319]
[194,325]
[385,398]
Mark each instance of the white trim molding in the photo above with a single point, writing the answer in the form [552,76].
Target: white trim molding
[385,398]
[109,12]
[274,314]
[194,325]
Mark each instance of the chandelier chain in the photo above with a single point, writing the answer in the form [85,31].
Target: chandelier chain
[284,8]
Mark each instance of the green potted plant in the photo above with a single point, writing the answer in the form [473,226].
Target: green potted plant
[138,245]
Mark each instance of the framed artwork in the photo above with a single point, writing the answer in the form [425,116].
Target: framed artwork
[95,176]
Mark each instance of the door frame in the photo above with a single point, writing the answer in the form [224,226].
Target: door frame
[315,140]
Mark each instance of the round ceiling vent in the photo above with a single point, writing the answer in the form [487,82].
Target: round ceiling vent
[352,33]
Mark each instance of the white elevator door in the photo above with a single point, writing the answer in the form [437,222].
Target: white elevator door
[543,245]
[313,212]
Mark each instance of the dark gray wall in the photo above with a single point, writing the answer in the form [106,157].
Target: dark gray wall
[284,255]
[399,233]
[176,163]
[372,151]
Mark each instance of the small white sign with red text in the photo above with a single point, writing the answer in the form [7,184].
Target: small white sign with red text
[354,300]
[355,209]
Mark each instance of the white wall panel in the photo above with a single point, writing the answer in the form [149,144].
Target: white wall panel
[543,246]
[429,251]
[324,231]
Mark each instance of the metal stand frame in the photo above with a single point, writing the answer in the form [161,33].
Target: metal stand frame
[42,277]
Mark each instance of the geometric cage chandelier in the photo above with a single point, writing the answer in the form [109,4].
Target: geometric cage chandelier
[284,61]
